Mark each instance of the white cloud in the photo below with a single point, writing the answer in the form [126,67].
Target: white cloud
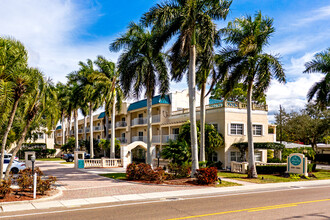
[322,13]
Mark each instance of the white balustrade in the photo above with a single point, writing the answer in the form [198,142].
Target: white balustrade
[93,163]
[139,138]
[139,121]
[104,162]
[121,124]
[156,139]
[238,167]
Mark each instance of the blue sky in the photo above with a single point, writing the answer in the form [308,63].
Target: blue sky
[60,33]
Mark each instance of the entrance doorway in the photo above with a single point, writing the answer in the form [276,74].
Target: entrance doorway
[138,155]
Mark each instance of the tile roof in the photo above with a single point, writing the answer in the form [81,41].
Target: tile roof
[102,115]
[155,100]
[58,127]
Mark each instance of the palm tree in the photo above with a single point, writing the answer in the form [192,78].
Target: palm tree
[63,102]
[320,63]
[189,20]
[15,75]
[39,104]
[249,64]
[107,79]
[141,66]
[91,92]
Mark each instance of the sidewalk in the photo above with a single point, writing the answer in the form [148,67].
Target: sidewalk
[162,195]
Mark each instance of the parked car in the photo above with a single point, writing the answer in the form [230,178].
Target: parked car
[70,157]
[15,167]
[9,156]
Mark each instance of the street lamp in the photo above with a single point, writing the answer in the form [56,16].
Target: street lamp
[33,159]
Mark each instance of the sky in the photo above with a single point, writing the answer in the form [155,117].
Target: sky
[60,33]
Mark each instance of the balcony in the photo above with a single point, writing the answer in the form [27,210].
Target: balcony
[59,134]
[139,121]
[139,138]
[121,124]
[166,138]
[122,140]
[98,128]
[155,118]
[80,131]
[156,138]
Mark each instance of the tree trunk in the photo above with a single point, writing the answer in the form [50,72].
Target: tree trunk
[113,131]
[63,130]
[76,129]
[202,116]
[149,134]
[192,110]
[107,126]
[85,127]
[5,136]
[252,171]
[19,144]
[70,126]
[91,130]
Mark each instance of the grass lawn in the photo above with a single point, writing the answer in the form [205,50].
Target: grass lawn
[119,176]
[50,159]
[226,184]
[268,178]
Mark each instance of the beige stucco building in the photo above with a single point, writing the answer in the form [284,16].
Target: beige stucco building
[170,112]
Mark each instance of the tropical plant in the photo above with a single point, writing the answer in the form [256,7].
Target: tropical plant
[141,66]
[189,20]
[250,65]
[107,78]
[320,63]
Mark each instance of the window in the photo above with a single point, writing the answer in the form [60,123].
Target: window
[123,119]
[140,134]
[236,129]
[40,136]
[257,130]
[214,156]
[123,135]
[98,137]
[175,130]
[257,156]
[235,156]
[140,115]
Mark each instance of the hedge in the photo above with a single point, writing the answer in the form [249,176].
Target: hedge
[40,152]
[271,169]
[260,145]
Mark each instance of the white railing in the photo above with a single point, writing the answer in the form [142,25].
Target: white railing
[166,138]
[103,162]
[139,138]
[121,124]
[238,167]
[156,139]
[98,128]
[139,121]
[93,163]
[121,139]
[155,118]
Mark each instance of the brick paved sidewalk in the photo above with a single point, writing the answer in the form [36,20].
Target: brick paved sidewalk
[78,184]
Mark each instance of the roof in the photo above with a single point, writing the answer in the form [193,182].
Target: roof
[102,115]
[155,100]
[58,127]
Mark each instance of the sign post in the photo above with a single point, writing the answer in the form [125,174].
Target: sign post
[297,163]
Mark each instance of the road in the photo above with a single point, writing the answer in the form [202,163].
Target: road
[295,203]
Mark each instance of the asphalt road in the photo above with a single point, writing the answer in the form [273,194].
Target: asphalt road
[297,203]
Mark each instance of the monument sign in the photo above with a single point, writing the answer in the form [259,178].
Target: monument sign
[297,163]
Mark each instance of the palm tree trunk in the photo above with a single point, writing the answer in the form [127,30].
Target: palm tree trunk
[202,116]
[91,130]
[76,129]
[192,110]
[19,144]
[5,136]
[113,131]
[107,126]
[63,129]
[149,134]
[252,171]
[85,127]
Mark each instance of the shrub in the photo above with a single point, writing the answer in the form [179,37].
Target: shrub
[144,172]
[206,175]
[217,164]
[180,171]
[311,167]
[43,185]
[271,169]
[275,160]
[5,188]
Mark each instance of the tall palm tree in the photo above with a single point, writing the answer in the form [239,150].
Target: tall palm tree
[141,66]
[320,63]
[188,20]
[91,92]
[15,75]
[39,104]
[249,64]
[63,102]
[107,78]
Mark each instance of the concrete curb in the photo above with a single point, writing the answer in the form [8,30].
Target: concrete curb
[30,205]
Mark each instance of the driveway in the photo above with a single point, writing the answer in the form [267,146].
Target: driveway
[77,184]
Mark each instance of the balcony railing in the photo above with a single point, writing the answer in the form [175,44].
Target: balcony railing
[166,138]
[156,138]
[139,138]
[121,124]
[80,131]
[139,121]
[59,134]
[98,128]
[122,140]
[155,118]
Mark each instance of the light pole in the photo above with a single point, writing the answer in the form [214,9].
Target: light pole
[33,159]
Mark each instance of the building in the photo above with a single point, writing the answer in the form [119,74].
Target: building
[170,112]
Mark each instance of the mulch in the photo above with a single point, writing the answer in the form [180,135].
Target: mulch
[21,195]
[178,182]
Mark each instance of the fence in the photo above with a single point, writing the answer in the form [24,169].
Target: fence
[103,162]
[237,167]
